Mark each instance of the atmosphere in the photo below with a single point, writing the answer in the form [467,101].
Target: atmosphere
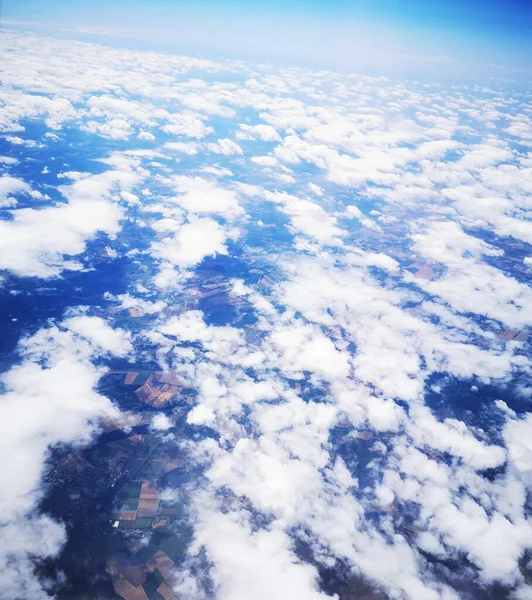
[483,38]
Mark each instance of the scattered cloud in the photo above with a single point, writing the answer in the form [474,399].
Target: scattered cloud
[382,232]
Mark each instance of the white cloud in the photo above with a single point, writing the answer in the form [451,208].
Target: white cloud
[189,148]
[161,422]
[12,185]
[224,146]
[264,161]
[517,435]
[100,335]
[187,245]
[35,241]
[346,337]
[39,242]
[307,349]
[187,125]
[266,133]
[307,218]
[146,136]
[259,564]
[470,285]
[199,196]
[49,399]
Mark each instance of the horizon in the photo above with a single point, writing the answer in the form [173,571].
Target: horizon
[475,40]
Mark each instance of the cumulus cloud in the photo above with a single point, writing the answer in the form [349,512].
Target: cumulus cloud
[224,146]
[266,133]
[12,185]
[260,563]
[186,245]
[200,196]
[35,242]
[518,440]
[187,125]
[336,417]
[161,422]
[469,284]
[40,242]
[192,243]
[49,398]
[100,335]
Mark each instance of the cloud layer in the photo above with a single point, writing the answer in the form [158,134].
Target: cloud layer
[369,240]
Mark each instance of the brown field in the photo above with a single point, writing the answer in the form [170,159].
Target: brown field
[159,389]
[148,497]
[165,565]
[166,591]
[162,398]
[159,523]
[145,392]
[168,378]
[125,515]
[125,588]
[130,377]
[74,461]
[138,438]
[390,508]
[173,464]
[509,334]
[425,272]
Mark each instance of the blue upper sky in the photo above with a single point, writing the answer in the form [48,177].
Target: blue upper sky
[469,36]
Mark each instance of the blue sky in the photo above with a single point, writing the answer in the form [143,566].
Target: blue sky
[471,37]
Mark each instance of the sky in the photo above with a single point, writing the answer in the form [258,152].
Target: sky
[473,38]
